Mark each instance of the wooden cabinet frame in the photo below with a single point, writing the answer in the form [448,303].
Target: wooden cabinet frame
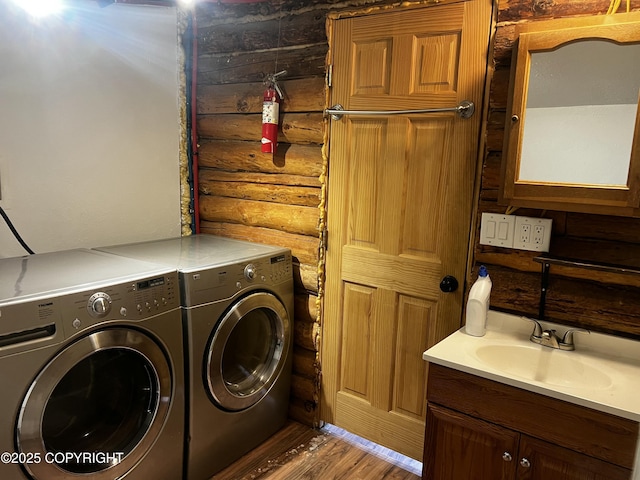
[472,421]
[546,36]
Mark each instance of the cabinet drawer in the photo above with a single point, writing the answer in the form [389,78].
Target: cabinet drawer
[600,435]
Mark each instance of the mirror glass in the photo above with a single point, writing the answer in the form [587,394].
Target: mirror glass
[581,110]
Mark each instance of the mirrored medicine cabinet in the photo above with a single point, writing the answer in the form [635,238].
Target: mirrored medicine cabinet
[572,135]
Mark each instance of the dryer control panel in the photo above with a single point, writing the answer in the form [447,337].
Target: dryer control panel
[223,282]
[280,268]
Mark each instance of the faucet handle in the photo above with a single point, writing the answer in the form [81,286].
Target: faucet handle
[537,328]
[567,339]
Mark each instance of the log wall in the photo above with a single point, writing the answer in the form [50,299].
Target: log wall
[249,195]
[594,300]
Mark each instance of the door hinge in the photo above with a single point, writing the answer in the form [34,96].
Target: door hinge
[329,76]
[324,239]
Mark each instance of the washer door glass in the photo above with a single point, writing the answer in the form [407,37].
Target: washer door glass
[96,408]
[105,404]
[247,351]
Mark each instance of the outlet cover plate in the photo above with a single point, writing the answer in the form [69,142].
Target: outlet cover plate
[532,234]
[497,230]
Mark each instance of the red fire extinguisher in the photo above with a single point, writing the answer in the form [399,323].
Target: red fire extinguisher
[270,116]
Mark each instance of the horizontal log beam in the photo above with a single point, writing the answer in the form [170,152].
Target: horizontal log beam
[276,193]
[304,160]
[304,248]
[306,278]
[304,411]
[518,10]
[288,218]
[299,62]
[302,128]
[260,178]
[305,363]
[306,335]
[304,388]
[306,308]
[300,95]
[587,304]
[264,33]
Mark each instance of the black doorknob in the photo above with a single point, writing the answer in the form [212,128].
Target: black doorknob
[449,284]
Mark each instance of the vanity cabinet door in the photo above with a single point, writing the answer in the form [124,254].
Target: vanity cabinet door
[459,447]
[539,460]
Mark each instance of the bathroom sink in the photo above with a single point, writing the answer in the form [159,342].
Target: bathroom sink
[545,365]
[601,373]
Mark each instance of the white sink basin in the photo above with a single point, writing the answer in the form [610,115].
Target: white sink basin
[601,373]
[543,364]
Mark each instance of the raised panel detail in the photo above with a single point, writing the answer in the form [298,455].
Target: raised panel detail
[415,317]
[372,67]
[436,58]
[367,145]
[357,325]
[429,140]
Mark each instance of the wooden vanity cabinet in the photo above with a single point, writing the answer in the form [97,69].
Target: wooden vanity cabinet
[479,429]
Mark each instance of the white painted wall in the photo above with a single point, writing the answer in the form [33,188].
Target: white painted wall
[89,127]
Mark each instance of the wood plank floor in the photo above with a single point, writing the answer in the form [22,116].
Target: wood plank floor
[300,452]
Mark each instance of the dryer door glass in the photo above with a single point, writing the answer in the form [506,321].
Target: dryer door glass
[104,398]
[247,351]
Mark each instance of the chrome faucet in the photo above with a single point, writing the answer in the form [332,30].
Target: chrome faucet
[549,338]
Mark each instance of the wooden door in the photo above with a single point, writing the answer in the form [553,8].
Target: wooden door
[399,209]
[539,460]
[458,447]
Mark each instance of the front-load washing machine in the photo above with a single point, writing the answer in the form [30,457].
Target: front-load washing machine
[92,368]
[237,302]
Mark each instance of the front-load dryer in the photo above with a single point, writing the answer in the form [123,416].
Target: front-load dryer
[91,365]
[237,302]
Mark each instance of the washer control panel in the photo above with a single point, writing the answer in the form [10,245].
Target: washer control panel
[131,301]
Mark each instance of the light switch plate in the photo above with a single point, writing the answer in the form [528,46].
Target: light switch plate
[497,230]
[532,234]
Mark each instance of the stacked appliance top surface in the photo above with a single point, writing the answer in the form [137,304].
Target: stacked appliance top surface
[45,274]
[193,253]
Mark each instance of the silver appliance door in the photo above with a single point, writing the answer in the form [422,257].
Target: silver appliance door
[96,408]
[247,351]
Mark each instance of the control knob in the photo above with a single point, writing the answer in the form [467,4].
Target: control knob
[99,305]
[250,271]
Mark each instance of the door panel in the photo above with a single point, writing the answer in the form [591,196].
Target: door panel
[415,315]
[399,209]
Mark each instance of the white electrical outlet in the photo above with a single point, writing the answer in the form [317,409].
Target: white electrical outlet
[532,234]
[497,230]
